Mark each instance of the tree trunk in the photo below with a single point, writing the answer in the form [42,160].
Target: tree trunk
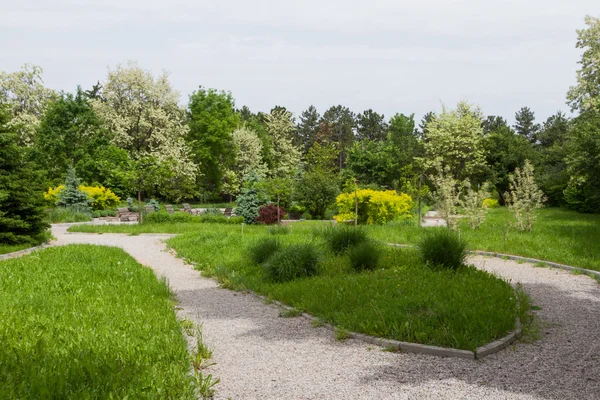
[140,206]
[278,218]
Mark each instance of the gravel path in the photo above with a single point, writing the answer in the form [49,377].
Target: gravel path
[261,356]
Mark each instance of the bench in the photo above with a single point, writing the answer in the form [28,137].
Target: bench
[125,215]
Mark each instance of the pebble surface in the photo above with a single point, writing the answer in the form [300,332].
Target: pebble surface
[261,356]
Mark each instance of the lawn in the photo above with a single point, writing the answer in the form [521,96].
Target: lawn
[82,322]
[559,235]
[36,241]
[402,299]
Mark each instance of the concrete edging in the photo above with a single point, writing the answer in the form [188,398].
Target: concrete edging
[396,345]
[22,252]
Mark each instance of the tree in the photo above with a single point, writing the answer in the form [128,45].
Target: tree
[144,118]
[524,197]
[493,123]
[583,165]
[286,156]
[372,162]
[504,151]
[339,122]
[22,215]
[276,189]
[553,174]
[422,131]
[585,95]
[27,99]
[248,158]
[212,119]
[371,126]
[308,129]
[525,125]
[405,143]
[73,198]
[454,142]
[71,134]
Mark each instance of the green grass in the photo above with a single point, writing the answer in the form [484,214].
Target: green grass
[559,235]
[58,215]
[83,322]
[401,300]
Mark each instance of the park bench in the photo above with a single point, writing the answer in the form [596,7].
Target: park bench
[149,209]
[228,212]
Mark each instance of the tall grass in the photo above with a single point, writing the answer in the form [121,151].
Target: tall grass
[65,214]
[443,249]
[82,322]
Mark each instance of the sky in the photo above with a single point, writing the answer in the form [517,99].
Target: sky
[392,56]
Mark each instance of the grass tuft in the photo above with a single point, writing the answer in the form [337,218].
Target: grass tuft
[443,248]
[340,238]
[364,256]
[291,262]
[263,249]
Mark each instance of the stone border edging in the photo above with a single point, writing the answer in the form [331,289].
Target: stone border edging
[22,252]
[396,345]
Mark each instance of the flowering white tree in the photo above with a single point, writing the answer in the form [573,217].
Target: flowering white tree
[286,156]
[144,117]
[27,98]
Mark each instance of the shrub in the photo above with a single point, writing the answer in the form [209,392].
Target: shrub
[341,238]
[247,205]
[524,197]
[102,198]
[294,261]
[267,214]
[490,203]
[374,206]
[364,256]
[214,211]
[472,203]
[154,204]
[180,217]
[443,248]
[73,198]
[157,218]
[51,196]
[263,249]
[104,213]
[306,216]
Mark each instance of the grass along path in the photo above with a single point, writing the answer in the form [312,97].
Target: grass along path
[290,359]
[84,321]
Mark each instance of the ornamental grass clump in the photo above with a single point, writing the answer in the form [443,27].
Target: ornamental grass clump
[292,262]
[364,256]
[443,249]
[339,239]
[263,249]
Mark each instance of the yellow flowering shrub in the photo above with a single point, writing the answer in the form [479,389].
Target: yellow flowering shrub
[102,197]
[490,203]
[51,195]
[374,206]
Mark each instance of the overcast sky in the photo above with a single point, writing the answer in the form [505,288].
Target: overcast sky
[388,55]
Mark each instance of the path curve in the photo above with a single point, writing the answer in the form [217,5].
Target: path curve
[261,356]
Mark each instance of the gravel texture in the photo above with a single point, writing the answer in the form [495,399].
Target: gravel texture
[261,356]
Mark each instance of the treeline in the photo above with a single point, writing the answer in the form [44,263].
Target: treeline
[130,133]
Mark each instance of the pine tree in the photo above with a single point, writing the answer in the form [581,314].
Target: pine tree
[22,214]
[71,197]
[526,125]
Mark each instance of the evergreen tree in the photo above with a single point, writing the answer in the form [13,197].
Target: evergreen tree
[371,126]
[338,122]
[308,128]
[22,214]
[526,125]
[71,197]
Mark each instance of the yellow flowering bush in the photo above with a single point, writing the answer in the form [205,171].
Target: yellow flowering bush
[490,203]
[101,197]
[51,195]
[374,206]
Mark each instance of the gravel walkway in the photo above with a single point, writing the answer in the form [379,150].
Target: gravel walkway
[261,356]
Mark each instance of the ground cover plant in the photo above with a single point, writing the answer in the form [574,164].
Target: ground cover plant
[82,322]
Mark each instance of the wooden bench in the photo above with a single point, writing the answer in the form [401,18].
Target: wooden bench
[125,215]
[228,212]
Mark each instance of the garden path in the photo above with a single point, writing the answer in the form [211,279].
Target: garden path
[261,356]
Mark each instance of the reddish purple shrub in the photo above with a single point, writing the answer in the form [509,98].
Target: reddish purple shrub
[268,214]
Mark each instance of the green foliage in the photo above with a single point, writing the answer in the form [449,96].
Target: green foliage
[490,203]
[337,125]
[73,198]
[21,203]
[525,124]
[364,256]
[585,95]
[101,197]
[524,197]
[553,175]
[212,119]
[162,217]
[583,192]
[248,204]
[339,239]
[443,248]
[316,191]
[292,262]
[371,126]
[373,162]
[454,142]
[374,206]
[308,129]
[263,249]
[279,230]
[285,155]
[59,322]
